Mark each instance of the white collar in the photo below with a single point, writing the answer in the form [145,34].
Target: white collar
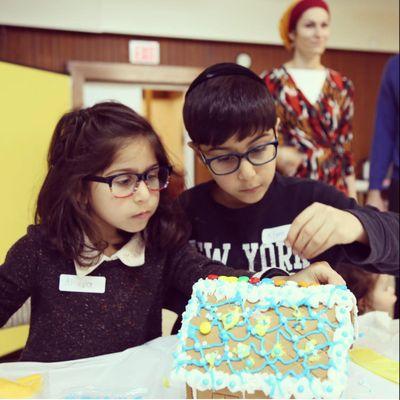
[131,254]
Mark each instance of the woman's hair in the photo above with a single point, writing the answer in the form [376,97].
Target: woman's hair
[226,100]
[360,282]
[292,14]
[85,143]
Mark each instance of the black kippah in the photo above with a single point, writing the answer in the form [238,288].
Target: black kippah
[223,69]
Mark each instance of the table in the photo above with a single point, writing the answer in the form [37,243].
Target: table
[143,371]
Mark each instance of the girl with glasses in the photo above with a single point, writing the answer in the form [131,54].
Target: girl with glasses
[107,242]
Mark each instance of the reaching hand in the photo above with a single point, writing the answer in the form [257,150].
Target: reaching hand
[318,272]
[319,227]
[289,160]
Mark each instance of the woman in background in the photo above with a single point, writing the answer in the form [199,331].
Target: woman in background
[314,103]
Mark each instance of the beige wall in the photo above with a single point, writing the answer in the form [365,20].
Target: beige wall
[371,25]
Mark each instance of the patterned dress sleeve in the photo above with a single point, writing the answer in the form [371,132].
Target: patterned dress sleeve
[345,128]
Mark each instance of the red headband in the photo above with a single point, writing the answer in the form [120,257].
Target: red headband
[303,6]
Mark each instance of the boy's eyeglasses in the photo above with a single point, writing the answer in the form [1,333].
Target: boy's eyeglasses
[229,163]
[124,185]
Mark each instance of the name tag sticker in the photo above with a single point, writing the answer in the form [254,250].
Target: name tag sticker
[274,235]
[82,284]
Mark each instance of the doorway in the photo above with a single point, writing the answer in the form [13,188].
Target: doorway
[155,92]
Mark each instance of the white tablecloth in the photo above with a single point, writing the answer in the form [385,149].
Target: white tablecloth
[143,372]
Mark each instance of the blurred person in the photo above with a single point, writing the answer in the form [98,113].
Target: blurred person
[385,146]
[314,103]
[374,292]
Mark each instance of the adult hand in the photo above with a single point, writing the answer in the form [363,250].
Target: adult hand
[289,159]
[318,272]
[374,198]
[319,227]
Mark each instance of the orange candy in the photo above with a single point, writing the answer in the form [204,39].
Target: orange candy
[307,284]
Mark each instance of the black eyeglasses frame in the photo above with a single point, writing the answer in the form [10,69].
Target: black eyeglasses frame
[240,156]
[141,177]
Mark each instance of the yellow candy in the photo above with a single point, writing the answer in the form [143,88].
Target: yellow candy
[232,279]
[230,319]
[277,351]
[242,350]
[224,278]
[205,328]
[298,314]
[211,357]
[166,383]
[279,282]
[260,329]
[304,284]
[314,358]
[298,328]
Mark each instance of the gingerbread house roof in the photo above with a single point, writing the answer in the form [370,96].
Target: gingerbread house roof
[278,337]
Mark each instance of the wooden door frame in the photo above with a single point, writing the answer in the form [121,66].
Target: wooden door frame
[159,77]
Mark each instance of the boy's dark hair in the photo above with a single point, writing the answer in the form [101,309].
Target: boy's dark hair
[360,282]
[85,143]
[226,100]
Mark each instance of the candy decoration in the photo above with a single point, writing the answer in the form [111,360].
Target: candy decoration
[304,284]
[242,350]
[205,328]
[211,357]
[230,319]
[298,314]
[277,351]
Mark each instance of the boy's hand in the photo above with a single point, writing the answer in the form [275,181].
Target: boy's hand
[318,272]
[319,227]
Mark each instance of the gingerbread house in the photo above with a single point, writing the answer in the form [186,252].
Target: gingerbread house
[244,338]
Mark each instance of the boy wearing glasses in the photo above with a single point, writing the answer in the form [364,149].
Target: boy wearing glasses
[249,216]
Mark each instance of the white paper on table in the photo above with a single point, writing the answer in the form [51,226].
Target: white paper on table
[147,368]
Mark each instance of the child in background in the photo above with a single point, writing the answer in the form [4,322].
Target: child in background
[374,292]
[249,215]
[107,242]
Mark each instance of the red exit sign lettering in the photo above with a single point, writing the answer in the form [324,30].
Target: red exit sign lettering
[144,52]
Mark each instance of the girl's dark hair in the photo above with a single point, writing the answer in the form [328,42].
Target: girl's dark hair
[226,100]
[84,143]
[360,282]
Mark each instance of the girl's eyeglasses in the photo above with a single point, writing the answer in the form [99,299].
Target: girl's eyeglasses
[124,185]
[229,163]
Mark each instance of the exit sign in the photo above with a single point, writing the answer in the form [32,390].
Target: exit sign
[144,52]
